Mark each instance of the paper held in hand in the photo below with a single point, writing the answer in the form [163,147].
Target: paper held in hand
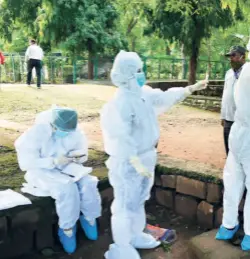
[76,171]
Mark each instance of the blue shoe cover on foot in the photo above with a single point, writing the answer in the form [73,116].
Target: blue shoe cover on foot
[226,234]
[68,242]
[245,244]
[90,230]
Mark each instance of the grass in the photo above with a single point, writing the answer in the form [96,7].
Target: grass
[21,104]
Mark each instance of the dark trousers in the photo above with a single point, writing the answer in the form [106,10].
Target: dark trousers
[227,128]
[37,64]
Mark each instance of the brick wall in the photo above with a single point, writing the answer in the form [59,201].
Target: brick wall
[34,227]
[197,200]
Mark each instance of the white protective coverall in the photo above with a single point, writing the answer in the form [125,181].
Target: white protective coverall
[130,129]
[36,149]
[237,169]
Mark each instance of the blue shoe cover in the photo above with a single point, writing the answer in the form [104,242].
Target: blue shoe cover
[226,234]
[89,230]
[245,244]
[68,243]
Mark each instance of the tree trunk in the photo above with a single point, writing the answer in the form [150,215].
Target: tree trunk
[209,68]
[90,66]
[133,44]
[168,50]
[184,65]
[193,64]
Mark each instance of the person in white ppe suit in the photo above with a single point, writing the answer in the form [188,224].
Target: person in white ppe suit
[237,169]
[52,152]
[131,132]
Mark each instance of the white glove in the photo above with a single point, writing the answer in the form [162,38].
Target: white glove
[62,160]
[79,160]
[198,86]
[139,167]
[78,156]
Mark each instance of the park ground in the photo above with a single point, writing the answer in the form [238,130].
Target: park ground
[189,138]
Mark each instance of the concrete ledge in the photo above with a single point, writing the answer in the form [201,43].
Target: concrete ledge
[204,102]
[206,247]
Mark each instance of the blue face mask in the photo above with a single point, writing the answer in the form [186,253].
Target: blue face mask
[141,79]
[61,134]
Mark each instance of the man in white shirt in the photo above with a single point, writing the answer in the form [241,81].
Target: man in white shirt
[34,56]
[236,56]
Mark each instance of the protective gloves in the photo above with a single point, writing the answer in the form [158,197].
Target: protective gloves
[199,85]
[61,160]
[78,156]
[139,167]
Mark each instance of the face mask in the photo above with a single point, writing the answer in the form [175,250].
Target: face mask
[141,79]
[61,134]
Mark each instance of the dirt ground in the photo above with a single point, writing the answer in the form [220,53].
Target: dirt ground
[156,215]
[186,133]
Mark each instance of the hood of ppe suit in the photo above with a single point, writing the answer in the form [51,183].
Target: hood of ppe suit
[124,70]
[64,119]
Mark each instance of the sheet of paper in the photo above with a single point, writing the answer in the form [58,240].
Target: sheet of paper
[76,171]
[10,199]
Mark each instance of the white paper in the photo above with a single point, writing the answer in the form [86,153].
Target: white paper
[76,171]
[10,199]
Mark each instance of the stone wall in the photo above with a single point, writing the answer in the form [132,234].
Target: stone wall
[197,199]
[204,102]
[34,227]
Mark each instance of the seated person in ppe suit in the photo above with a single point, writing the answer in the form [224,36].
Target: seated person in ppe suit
[50,152]
[130,131]
[236,175]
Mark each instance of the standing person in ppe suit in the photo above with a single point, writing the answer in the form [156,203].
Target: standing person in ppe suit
[237,169]
[52,153]
[130,131]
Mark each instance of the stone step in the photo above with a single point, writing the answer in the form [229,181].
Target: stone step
[205,246]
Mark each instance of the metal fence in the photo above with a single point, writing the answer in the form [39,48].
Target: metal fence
[62,69]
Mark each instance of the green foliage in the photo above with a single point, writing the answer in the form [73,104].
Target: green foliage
[188,21]
[80,25]
[14,14]
[238,14]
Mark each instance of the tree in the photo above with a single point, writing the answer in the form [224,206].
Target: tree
[188,22]
[16,15]
[238,14]
[77,25]
[132,21]
[80,25]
